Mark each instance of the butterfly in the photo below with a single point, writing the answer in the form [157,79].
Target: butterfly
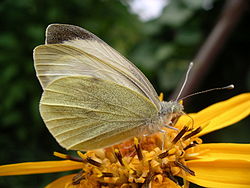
[93,97]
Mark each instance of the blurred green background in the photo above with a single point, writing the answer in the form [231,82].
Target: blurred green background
[162,48]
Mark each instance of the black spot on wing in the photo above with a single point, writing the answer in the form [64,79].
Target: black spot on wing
[58,33]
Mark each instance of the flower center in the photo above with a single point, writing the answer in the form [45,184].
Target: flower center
[140,161]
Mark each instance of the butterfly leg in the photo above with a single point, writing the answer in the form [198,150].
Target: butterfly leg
[170,127]
[172,122]
[163,138]
[145,135]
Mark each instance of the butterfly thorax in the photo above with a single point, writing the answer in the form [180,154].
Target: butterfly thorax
[169,111]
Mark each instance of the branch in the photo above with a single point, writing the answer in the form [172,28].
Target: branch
[205,58]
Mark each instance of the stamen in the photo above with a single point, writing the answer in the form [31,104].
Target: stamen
[171,177]
[185,168]
[88,159]
[180,134]
[190,145]
[77,178]
[80,154]
[103,184]
[161,96]
[69,157]
[119,156]
[175,119]
[138,149]
[107,174]
[196,131]
[93,162]
[163,155]
[148,179]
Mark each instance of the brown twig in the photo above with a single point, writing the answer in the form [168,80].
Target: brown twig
[230,16]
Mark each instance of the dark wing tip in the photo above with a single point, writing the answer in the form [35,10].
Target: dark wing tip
[58,33]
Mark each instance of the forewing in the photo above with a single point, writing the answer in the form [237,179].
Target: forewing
[85,113]
[92,45]
[59,60]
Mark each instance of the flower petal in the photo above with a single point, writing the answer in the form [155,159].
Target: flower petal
[223,151]
[219,115]
[220,173]
[39,167]
[62,182]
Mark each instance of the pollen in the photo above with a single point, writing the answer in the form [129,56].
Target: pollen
[140,161]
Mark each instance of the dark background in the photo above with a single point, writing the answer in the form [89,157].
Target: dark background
[161,48]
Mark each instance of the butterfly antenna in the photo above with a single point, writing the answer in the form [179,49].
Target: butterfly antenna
[185,81]
[213,89]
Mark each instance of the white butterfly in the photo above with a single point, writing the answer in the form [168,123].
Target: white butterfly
[94,97]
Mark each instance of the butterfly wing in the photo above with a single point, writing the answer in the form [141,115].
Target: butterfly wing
[85,113]
[59,60]
[90,45]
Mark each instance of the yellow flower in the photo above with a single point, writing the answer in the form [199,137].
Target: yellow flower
[144,162]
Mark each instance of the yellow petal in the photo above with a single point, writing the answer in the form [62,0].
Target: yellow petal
[220,173]
[39,167]
[219,115]
[224,151]
[62,182]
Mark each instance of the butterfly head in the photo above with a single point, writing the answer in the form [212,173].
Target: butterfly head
[171,108]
